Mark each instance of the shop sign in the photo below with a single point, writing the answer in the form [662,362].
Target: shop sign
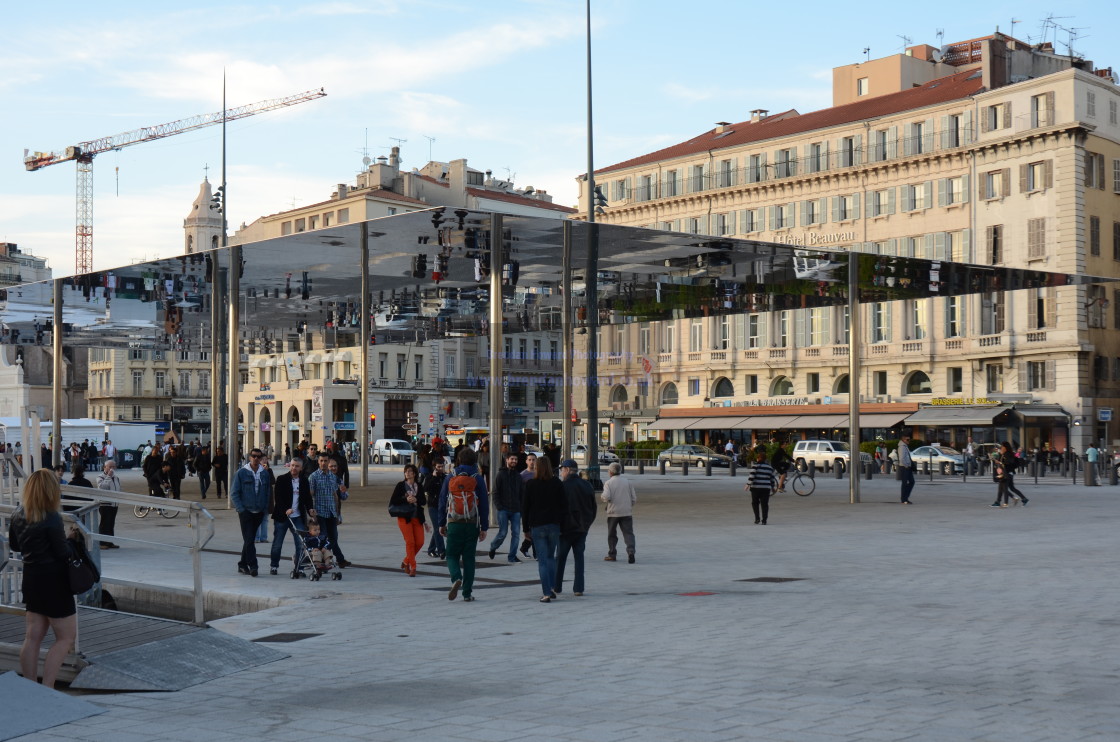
[1104,414]
[264,397]
[962,401]
[266,427]
[345,426]
[782,402]
[317,404]
[293,426]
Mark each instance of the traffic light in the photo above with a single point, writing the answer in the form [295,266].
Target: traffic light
[372,419]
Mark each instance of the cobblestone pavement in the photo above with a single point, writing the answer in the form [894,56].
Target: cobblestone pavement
[945,620]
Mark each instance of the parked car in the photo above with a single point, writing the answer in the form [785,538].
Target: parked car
[947,460]
[820,452]
[695,455]
[392,451]
[579,453]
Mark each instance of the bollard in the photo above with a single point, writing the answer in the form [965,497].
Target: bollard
[661,466]
[708,468]
[925,468]
[1113,476]
[812,470]
[1090,474]
[641,466]
[684,468]
[870,467]
[838,471]
[733,466]
[889,465]
[621,466]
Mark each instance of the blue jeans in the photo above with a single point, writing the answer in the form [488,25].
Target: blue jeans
[436,545]
[204,481]
[279,530]
[262,532]
[906,473]
[545,540]
[250,522]
[511,520]
[330,530]
[576,542]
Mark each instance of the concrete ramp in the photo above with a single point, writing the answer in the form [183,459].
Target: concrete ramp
[28,707]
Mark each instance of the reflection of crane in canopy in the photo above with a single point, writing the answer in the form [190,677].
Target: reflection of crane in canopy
[84,153]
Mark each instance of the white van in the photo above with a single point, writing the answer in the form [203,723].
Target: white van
[392,451]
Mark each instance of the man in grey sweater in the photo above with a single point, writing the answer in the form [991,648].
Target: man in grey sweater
[620,497]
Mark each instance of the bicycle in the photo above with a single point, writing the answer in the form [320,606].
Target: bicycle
[802,483]
[141,511]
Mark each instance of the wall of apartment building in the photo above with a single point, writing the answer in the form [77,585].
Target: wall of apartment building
[1041,348]
[112,394]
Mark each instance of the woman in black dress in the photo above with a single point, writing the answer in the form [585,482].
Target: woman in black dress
[37,532]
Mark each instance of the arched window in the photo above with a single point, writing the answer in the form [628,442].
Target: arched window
[917,383]
[669,394]
[723,388]
[618,394]
[190,243]
[782,387]
[214,242]
[842,386]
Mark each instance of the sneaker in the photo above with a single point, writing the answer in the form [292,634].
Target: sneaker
[609,559]
[468,598]
[1025,501]
[578,595]
[1003,505]
[272,571]
[454,591]
[242,570]
[493,552]
[253,572]
[514,560]
[344,563]
[994,505]
[630,559]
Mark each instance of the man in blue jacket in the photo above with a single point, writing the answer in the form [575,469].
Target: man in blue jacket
[249,494]
[464,527]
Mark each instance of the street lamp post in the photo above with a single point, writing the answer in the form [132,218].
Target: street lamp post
[591,283]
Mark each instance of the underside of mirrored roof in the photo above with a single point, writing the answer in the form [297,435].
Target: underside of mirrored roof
[429,278]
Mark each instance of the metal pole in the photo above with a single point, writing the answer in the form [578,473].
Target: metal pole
[496,345]
[196,565]
[853,370]
[567,403]
[592,283]
[57,379]
[363,430]
[234,378]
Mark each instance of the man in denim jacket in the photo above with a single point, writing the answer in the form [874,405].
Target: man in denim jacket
[249,494]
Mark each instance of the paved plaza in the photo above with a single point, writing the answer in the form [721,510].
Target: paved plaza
[946,620]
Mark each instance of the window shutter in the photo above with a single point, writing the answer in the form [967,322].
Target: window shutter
[892,246]
[1006,181]
[855,206]
[942,191]
[744,224]
[907,198]
[890,201]
[822,211]
[628,189]
[1023,179]
[929,193]
[888,312]
[835,208]
[1007,115]
[804,212]
[1024,385]
[774,217]
[965,186]
[702,225]
[1050,117]
[857,150]
[927,246]
[1051,370]
[908,141]
[760,220]
[676,225]
[1100,171]
[962,315]
[762,171]
[966,246]
[1032,309]
[980,194]
[1052,307]
[824,155]
[946,140]
[1048,172]
[985,120]
[800,328]
[966,127]
[939,241]
[792,161]
[791,209]
[892,142]
[807,158]
[927,136]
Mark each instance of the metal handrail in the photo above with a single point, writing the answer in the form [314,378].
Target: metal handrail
[89,500]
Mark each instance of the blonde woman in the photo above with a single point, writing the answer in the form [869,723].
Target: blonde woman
[37,532]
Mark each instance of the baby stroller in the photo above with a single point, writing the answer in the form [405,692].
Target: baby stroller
[313,557]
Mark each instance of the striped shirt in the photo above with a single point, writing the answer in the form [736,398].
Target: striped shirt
[761,476]
[324,485]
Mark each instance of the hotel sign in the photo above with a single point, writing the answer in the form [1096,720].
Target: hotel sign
[815,238]
[942,401]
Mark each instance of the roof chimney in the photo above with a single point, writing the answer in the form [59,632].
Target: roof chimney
[721,126]
[758,114]
[395,157]
[343,190]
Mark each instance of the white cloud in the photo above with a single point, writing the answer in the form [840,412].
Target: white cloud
[690,92]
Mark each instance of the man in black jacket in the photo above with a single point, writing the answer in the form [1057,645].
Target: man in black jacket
[507,492]
[291,498]
[573,532]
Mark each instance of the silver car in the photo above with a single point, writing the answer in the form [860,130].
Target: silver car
[695,455]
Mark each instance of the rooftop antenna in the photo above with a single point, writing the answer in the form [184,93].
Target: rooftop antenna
[365,150]
[1013,22]
[430,140]
[509,174]
[940,34]
[866,53]
[906,41]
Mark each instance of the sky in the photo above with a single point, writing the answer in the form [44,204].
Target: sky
[501,83]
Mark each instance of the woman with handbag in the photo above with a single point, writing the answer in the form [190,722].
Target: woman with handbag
[107,480]
[407,506]
[37,532]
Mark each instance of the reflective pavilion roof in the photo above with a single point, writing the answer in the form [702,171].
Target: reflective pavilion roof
[428,280]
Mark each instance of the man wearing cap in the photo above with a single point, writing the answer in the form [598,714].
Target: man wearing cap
[578,517]
[620,497]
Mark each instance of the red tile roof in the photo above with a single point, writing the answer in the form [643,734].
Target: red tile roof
[943,90]
[432,180]
[514,198]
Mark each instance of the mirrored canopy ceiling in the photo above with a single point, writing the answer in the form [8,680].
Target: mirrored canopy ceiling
[429,279]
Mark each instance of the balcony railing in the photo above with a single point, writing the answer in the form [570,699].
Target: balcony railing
[991,340]
[1036,337]
[912,347]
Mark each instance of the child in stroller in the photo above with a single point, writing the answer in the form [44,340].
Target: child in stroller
[315,557]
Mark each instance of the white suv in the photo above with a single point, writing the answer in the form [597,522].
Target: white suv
[392,451]
[836,453]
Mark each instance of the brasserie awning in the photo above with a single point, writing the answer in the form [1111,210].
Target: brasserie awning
[936,417]
[673,423]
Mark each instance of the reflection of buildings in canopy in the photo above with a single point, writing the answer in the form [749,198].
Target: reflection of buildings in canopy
[956,163]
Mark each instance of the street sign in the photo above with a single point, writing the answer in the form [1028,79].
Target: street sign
[441,417]
[1104,414]
[431,418]
[575,415]
[431,431]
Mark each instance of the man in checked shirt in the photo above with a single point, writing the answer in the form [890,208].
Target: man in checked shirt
[324,486]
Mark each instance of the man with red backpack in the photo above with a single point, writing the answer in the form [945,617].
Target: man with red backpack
[464,517]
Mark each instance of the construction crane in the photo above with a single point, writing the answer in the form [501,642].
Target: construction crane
[83,155]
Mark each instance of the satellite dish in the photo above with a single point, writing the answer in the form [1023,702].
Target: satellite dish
[366,161]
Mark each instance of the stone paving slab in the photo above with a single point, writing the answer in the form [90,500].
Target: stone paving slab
[943,620]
